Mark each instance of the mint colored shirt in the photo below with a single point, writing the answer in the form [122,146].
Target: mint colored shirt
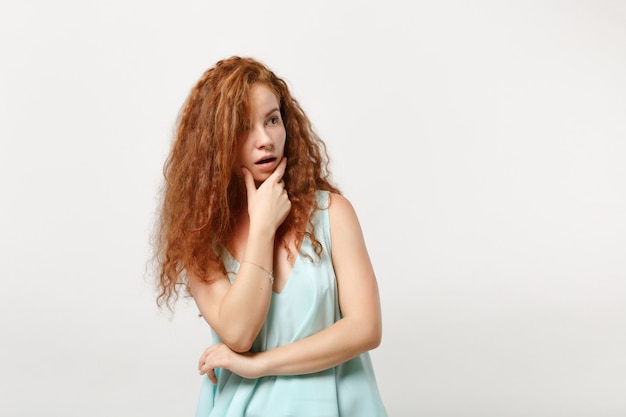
[307,305]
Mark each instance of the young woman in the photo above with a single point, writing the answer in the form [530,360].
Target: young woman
[270,251]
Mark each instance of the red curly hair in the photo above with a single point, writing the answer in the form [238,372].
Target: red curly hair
[202,196]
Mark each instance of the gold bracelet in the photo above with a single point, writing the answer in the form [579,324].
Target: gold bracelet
[270,276]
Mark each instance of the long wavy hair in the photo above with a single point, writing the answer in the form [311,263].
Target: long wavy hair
[202,197]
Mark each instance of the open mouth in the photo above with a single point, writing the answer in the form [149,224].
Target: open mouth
[265,161]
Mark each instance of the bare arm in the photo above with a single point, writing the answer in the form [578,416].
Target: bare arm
[358,331]
[236,312]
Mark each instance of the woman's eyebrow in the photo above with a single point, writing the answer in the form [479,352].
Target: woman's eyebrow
[275,109]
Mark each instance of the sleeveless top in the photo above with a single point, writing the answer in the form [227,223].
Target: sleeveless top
[307,305]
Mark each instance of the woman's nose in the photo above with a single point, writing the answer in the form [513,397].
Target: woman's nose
[262,139]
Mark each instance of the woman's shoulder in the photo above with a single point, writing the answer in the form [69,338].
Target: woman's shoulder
[340,208]
[338,201]
[333,202]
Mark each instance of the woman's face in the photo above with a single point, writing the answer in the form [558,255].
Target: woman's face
[263,147]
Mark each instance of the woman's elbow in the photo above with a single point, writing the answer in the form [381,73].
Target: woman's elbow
[370,335]
[238,340]
[238,345]
[241,348]
[375,337]
[238,336]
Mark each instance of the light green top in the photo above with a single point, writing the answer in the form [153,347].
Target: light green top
[307,305]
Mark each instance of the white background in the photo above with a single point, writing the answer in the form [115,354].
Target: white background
[483,145]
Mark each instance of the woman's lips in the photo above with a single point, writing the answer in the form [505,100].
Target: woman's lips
[266,160]
[267,164]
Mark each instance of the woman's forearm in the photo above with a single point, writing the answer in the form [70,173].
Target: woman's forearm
[236,311]
[243,309]
[342,341]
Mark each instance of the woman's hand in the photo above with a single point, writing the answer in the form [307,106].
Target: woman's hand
[220,356]
[269,204]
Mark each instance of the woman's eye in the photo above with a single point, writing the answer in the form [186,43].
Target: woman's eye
[274,120]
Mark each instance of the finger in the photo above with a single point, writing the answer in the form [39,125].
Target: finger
[203,357]
[205,368]
[280,169]
[202,366]
[249,180]
[212,376]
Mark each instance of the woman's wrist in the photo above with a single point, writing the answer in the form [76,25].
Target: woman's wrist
[262,231]
[262,364]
